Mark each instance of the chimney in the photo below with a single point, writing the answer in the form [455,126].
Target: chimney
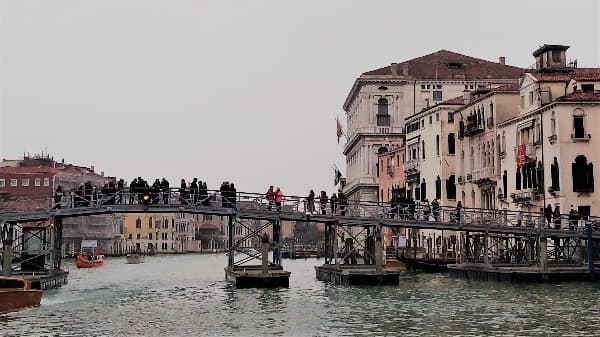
[466,96]
[502,60]
[405,69]
[394,69]
[92,168]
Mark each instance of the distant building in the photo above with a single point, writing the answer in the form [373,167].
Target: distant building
[380,100]
[29,184]
[160,233]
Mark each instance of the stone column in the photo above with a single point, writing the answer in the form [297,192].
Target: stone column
[543,257]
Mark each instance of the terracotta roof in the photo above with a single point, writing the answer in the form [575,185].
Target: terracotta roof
[456,100]
[580,96]
[579,74]
[446,64]
[507,87]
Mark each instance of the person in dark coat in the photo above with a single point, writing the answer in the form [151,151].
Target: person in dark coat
[194,191]
[155,191]
[548,214]
[204,197]
[333,204]
[232,196]
[121,191]
[557,217]
[183,197]
[133,186]
[58,195]
[166,192]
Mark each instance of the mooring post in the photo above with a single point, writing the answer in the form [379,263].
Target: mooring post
[231,233]
[378,249]
[7,241]
[58,231]
[590,249]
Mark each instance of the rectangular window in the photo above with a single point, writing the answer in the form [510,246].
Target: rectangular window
[439,86]
[37,182]
[2,183]
[46,181]
[437,117]
[25,182]
[578,124]
[150,236]
[555,56]
[430,120]
[522,101]
[450,117]
[437,96]
[139,236]
[129,236]
[423,86]
[587,87]
[531,98]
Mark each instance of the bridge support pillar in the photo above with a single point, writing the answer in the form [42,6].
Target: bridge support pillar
[231,232]
[265,255]
[378,250]
[486,257]
[543,257]
[7,241]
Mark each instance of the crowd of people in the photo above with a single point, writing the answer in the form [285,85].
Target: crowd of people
[337,203]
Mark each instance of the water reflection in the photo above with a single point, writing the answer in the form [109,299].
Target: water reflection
[187,296]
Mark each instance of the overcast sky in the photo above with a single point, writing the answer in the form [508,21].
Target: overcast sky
[245,91]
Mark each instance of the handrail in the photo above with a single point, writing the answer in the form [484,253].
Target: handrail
[417,211]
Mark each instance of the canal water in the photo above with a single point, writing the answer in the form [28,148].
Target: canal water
[186,295]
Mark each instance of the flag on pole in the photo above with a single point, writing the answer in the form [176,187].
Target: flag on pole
[337,175]
[339,130]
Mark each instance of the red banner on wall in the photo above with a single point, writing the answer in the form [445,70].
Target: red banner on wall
[521,155]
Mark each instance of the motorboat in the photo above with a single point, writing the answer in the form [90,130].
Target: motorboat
[89,261]
[16,293]
[134,258]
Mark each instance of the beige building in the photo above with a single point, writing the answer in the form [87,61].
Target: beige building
[430,151]
[548,146]
[381,99]
[159,233]
[480,145]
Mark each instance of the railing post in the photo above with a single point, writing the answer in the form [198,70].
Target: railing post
[378,249]
[335,243]
[543,257]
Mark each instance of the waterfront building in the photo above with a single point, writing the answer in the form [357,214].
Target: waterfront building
[549,148]
[29,184]
[159,233]
[381,99]
[480,145]
[390,179]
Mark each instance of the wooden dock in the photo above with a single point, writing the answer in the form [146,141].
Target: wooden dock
[46,280]
[519,273]
[256,277]
[357,274]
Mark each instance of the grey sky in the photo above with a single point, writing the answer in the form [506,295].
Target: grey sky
[246,91]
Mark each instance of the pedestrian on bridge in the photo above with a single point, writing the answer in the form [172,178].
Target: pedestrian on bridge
[426,210]
[333,203]
[155,191]
[270,196]
[278,199]
[183,193]
[457,211]
[121,191]
[310,202]
[435,207]
[133,190]
[194,191]
[343,202]
[164,187]
[58,195]
[323,202]
[548,214]
[557,218]
[204,198]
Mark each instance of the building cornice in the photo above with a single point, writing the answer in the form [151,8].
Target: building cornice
[488,95]
[361,81]
[357,136]
[539,110]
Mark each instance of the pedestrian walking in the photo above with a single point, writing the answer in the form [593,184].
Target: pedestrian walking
[270,196]
[310,202]
[183,193]
[323,202]
[557,217]
[333,204]
[548,214]
[165,190]
[278,199]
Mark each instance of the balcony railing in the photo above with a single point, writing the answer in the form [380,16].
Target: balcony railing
[469,177]
[552,139]
[481,175]
[472,129]
[530,154]
[411,166]
[527,195]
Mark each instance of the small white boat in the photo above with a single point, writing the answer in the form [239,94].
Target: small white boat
[134,258]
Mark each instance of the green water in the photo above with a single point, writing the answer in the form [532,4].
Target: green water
[186,295]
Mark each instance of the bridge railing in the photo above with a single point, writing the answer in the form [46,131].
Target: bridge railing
[415,211]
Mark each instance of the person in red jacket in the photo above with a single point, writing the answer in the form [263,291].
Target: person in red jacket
[278,199]
[270,195]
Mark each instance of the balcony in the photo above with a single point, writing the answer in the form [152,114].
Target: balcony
[411,167]
[528,151]
[552,139]
[469,177]
[526,196]
[390,170]
[482,175]
[581,137]
[383,120]
[472,130]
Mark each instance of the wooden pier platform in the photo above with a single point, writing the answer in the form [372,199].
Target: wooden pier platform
[356,274]
[520,274]
[46,280]
[255,277]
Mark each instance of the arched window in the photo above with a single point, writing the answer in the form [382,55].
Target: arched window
[438,188]
[578,123]
[451,143]
[554,174]
[583,175]
[382,106]
[423,190]
[505,183]
[450,188]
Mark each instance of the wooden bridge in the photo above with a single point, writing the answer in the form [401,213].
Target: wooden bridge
[484,237]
